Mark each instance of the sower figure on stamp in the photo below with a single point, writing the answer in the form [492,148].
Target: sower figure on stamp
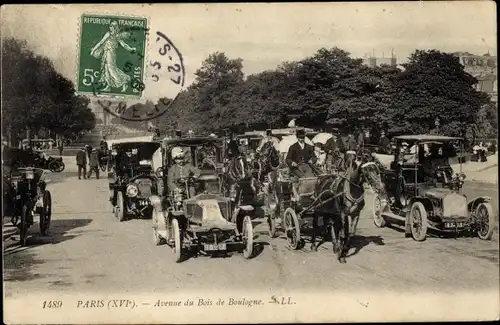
[81,162]
[105,50]
[94,163]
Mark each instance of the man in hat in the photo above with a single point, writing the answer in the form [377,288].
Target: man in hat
[384,143]
[93,163]
[81,162]
[232,149]
[331,145]
[180,169]
[301,156]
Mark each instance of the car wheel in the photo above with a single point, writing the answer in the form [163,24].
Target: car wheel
[292,228]
[177,240]
[485,221]
[378,218]
[119,208]
[157,239]
[418,221]
[247,237]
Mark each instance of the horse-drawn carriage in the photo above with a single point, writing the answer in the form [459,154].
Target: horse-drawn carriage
[133,179]
[26,194]
[193,213]
[423,193]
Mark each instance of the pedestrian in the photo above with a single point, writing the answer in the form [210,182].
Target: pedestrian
[60,147]
[93,163]
[81,162]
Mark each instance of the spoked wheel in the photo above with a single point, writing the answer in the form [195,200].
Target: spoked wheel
[46,213]
[418,221]
[292,228]
[23,225]
[247,237]
[176,234]
[157,239]
[62,166]
[119,213]
[378,219]
[485,221]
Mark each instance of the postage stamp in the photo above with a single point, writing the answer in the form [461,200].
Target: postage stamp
[112,55]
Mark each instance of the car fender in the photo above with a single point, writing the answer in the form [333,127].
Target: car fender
[471,206]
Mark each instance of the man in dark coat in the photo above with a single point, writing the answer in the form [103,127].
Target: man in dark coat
[232,149]
[384,143]
[301,153]
[81,162]
[350,144]
[94,163]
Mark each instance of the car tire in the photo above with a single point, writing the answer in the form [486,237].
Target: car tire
[119,208]
[485,215]
[418,221]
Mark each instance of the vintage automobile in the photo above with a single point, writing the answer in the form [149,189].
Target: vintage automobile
[26,194]
[424,193]
[194,215]
[133,179]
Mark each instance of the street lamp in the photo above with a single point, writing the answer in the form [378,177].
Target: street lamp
[436,123]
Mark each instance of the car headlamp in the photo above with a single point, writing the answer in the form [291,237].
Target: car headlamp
[132,190]
[462,176]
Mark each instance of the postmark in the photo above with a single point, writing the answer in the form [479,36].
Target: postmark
[112,55]
[165,71]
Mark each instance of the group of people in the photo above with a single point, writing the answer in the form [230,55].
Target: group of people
[88,157]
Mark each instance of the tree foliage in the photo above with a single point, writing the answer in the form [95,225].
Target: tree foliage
[331,88]
[35,96]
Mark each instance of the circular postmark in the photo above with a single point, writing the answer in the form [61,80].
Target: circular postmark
[164,76]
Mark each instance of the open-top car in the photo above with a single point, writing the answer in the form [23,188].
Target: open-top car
[424,193]
[193,213]
[133,179]
[26,194]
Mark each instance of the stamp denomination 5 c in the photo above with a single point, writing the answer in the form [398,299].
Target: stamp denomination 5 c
[112,55]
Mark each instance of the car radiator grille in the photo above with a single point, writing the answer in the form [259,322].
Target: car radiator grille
[145,187]
[454,205]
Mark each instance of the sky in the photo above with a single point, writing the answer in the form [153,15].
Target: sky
[264,35]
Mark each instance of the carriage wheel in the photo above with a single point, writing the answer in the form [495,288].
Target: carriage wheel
[247,237]
[53,166]
[46,213]
[23,225]
[418,221]
[62,166]
[176,233]
[119,213]
[157,239]
[485,220]
[292,228]
[378,218]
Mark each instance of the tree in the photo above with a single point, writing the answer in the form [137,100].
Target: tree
[434,84]
[35,96]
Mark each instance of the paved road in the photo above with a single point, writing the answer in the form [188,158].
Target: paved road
[89,250]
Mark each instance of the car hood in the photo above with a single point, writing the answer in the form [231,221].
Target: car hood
[437,193]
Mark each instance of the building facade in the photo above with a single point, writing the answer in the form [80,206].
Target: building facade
[373,61]
[484,69]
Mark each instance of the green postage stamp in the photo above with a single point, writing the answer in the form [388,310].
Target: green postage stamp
[112,55]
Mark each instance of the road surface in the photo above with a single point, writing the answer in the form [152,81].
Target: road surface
[89,250]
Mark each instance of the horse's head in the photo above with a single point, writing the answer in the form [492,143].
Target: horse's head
[269,155]
[369,173]
[239,168]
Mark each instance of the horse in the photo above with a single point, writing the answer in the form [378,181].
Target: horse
[340,199]
[267,161]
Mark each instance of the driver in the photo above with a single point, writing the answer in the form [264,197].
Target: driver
[301,153]
[180,170]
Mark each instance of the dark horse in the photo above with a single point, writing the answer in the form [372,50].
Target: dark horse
[267,161]
[339,200]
